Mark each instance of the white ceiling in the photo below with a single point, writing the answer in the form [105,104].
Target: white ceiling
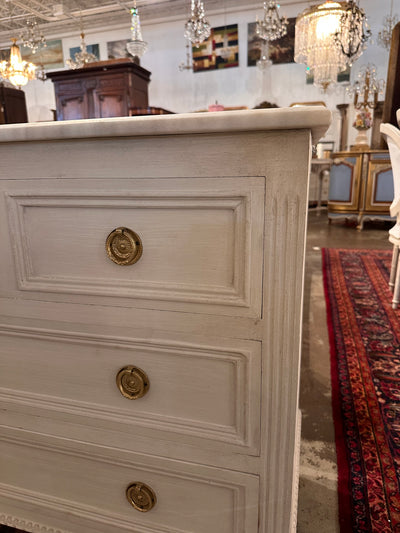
[60,17]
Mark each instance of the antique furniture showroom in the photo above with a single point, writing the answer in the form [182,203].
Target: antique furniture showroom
[156,181]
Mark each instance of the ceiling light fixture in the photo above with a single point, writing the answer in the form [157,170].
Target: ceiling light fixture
[136,46]
[272,26]
[17,71]
[385,35]
[197,28]
[32,38]
[81,58]
[315,46]
[353,32]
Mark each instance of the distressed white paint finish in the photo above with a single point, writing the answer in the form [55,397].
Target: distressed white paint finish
[92,485]
[200,241]
[207,392]
[218,427]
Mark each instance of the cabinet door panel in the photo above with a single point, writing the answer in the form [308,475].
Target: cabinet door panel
[344,184]
[110,105]
[380,190]
[73,107]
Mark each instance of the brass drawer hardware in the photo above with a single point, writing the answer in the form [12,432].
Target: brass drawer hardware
[132,382]
[124,246]
[141,496]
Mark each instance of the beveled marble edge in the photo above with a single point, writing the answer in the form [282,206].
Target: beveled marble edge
[315,118]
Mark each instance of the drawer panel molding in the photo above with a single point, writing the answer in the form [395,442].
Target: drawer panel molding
[203,392]
[82,482]
[200,247]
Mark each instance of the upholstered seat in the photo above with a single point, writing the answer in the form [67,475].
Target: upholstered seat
[392,136]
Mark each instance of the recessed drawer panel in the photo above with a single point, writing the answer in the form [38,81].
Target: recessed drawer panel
[203,394]
[202,242]
[83,488]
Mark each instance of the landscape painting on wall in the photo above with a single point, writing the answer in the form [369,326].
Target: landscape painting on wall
[50,56]
[91,49]
[117,49]
[280,51]
[219,51]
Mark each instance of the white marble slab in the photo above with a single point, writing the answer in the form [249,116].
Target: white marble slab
[315,118]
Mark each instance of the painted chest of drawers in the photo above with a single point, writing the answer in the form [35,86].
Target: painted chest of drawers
[150,318]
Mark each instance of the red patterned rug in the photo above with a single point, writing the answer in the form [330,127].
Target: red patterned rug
[364,336]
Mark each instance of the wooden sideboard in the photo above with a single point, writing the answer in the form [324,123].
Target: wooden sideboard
[150,321]
[360,186]
[100,90]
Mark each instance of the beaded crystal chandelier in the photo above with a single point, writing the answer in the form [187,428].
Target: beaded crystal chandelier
[197,28]
[272,26]
[17,71]
[315,46]
[353,32]
[32,38]
[385,35]
[81,58]
[136,46]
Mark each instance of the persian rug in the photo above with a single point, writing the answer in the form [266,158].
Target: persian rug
[364,334]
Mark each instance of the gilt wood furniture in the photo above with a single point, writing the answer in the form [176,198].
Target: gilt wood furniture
[360,186]
[100,90]
[150,319]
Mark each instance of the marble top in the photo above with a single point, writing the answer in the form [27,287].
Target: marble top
[314,118]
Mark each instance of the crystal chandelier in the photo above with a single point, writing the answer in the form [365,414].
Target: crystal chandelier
[136,47]
[32,38]
[316,28]
[81,58]
[17,71]
[197,28]
[353,33]
[385,35]
[271,27]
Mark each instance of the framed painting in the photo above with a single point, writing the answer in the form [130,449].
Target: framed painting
[280,51]
[50,56]
[219,51]
[117,49]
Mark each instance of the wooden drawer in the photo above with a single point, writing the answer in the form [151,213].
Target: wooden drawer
[204,394]
[75,488]
[202,243]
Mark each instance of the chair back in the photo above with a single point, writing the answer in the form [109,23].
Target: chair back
[392,136]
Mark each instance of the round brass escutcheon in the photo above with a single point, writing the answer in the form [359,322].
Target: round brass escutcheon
[124,246]
[132,382]
[141,496]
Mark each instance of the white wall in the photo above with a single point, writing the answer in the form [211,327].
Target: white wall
[240,86]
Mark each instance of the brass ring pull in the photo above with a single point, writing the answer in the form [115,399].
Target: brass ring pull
[124,246]
[141,496]
[132,382]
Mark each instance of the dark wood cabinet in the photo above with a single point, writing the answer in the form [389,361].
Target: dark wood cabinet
[100,90]
[12,105]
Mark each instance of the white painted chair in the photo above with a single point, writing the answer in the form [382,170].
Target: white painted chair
[392,136]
